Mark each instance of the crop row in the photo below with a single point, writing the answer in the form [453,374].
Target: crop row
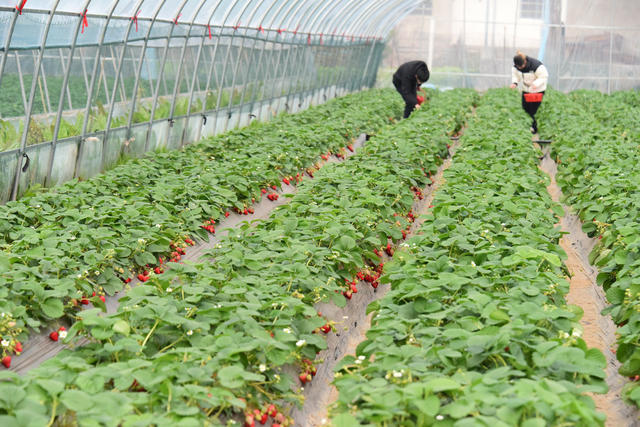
[204,342]
[596,141]
[475,330]
[91,236]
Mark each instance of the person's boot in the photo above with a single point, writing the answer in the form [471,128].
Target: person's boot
[534,126]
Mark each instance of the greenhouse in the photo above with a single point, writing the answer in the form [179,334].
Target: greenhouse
[319,213]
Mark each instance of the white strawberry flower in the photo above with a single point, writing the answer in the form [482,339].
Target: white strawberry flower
[62,334]
[287,330]
[439,417]
[397,374]
[473,263]
[262,367]
[5,343]
[190,332]
[300,343]
[361,357]
[158,225]
[169,290]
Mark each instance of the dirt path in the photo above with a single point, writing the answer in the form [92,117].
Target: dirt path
[599,331]
[354,324]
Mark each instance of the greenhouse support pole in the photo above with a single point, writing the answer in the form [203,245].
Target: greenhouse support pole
[287,21]
[224,73]
[165,54]
[103,79]
[21,79]
[237,64]
[66,70]
[176,85]
[123,92]
[253,47]
[116,83]
[65,88]
[32,94]
[610,52]
[255,93]
[95,73]
[195,76]
[7,44]
[194,79]
[274,59]
[213,64]
[84,70]
[324,84]
[46,87]
[308,47]
[136,84]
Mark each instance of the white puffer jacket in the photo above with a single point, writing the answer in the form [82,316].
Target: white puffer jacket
[533,78]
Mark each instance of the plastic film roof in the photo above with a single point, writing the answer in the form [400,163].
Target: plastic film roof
[23,22]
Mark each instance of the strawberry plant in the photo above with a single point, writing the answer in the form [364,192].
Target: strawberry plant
[208,342]
[475,329]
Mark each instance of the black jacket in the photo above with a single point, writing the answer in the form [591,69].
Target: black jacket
[405,75]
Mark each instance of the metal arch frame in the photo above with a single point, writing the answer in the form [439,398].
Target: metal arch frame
[390,17]
[63,89]
[8,44]
[195,74]
[213,60]
[235,68]
[92,85]
[160,78]
[180,65]
[224,72]
[377,8]
[136,85]
[321,21]
[300,68]
[287,17]
[27,119]
[117,81]
[346,6]
[64,70]
[259,62]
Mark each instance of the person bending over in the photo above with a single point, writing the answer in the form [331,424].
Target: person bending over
[407,80]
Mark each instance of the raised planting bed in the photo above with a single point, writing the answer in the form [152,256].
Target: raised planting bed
[475,330]
[596,145]
[208,342]
[61,246]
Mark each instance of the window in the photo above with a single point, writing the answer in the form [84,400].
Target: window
[531,9]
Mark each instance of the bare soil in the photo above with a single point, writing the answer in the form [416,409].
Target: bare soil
[599,331]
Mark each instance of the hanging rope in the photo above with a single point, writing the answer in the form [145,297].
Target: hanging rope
[321,38]
[261,29]
[135,19]
[209,27]
[309,38]
[19,8]
[175,21]
[85,23]
[235,27]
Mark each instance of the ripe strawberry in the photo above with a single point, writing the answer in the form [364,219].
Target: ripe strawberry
[374,284]
[6,361]
[53,336]
[102,298]
[18,347]
[354,289]
[158,270]
[276,425]
[264,418]
[404,234]
[324,157]
[506,348]
[274,187]
[249,421]
[347,294]
[84,301]
[142,277]
[303,377]
[285,180]
[326,328]
[250,210]
[226,214]
[245,212]
[264,191]
[271,410]
[350,147]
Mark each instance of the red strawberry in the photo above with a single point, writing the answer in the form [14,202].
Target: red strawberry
[374,284]
[350,147]
[249,421]
[354,289]
[102,298]
[226,214]
[404,234]
[250,210]
[142,277]
[18,347]
[276,425]
[84,301]
[274,187]
[506,348]
[264,418]
[326,328]
[54,336]
[264,191]
[245,212]
[272,411]
[347,294]
[6,361]
[285,180]
[158,270]
[303,377]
